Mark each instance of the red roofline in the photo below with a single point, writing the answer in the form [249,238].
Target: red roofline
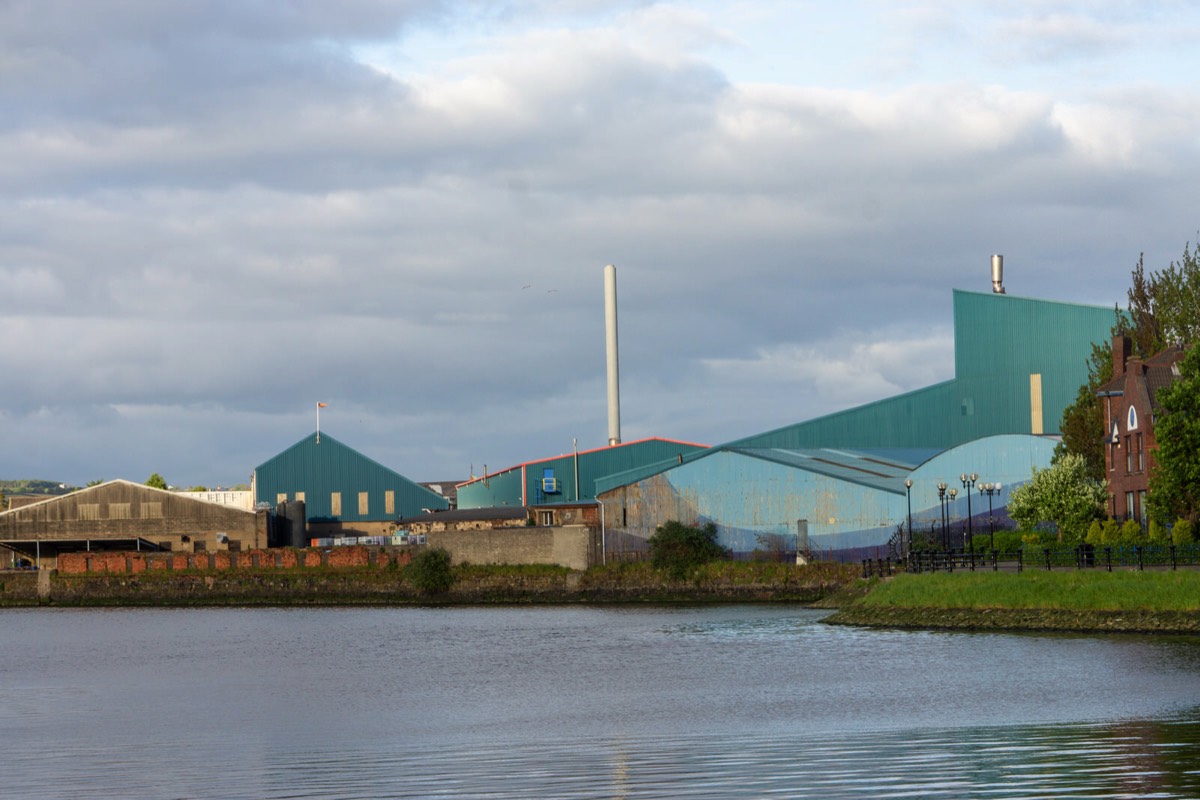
[525,464]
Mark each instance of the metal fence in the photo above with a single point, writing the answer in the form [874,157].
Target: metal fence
[1137,557]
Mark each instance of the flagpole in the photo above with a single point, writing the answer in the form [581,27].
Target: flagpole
[318,423]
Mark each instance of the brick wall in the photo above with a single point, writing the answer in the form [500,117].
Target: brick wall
[275,558]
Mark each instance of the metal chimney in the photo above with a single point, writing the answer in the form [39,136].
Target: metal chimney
[997,274]
[610,330]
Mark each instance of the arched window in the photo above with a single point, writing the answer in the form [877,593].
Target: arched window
[1132,421]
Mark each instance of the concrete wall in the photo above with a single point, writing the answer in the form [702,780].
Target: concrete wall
[572,546]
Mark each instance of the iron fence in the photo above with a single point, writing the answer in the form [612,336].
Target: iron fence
[1138,557]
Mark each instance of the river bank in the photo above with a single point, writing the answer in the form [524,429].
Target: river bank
[473,585]
[1071,601]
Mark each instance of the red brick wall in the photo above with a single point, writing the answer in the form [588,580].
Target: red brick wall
[285,558]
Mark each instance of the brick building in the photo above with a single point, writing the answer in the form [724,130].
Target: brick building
[1130,405]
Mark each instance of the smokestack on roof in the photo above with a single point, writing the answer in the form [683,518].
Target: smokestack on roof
[998,274]
[610,329]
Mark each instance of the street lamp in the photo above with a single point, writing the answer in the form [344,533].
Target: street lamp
[953,494]
[908,496]
[942,508]
[990,489]
[968,482]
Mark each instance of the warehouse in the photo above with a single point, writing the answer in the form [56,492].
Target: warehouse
[568,478]
[121,515]
[840,479]
[342,492]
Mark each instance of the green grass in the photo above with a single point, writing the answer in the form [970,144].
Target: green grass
[1068,591]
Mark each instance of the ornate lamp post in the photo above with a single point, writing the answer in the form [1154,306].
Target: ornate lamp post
[942,508]
[968,482]
[990,489]
[953,496]
[908,496]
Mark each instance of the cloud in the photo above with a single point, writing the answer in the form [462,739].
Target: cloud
[214,215]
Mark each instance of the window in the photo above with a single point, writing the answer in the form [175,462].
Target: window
[89,511]
[545,518]
[1141,500]
[299,497]
[1112,456]
[151,510]
[335,504]
[1128,455]
[118,510]
[1141,453]
[1132,419]
[281,498]
[1129,509]
[364,504]
[389,502]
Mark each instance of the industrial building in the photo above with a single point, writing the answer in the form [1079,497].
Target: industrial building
[121,515]
[343,492]
[569,478]
[838,482]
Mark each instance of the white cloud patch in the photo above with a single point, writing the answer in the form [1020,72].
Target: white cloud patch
[243,217]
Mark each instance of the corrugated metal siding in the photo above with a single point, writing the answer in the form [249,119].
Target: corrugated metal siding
[505,487]
[318,470]
[999,341]
[746,494]
[501,489]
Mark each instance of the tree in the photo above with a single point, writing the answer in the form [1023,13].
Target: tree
[1063,495]
[680,549]
[156,481]
[1174,487]
[1163,309]
[96,482]
[430,571]
[1082,424]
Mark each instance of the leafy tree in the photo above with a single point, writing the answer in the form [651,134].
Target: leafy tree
[680,549]
[430,571]
[1082,423]
[156,481]
[1174,491]
[198,489]
[96,482]
[1163,309]
[1062,495]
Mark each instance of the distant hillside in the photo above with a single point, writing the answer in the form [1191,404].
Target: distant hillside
[33,486]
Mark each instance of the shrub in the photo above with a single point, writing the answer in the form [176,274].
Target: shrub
[1131,532]
[680,549]
[1158,534]
[1110,535]
[1095,534]
[1182,532]
[430,571]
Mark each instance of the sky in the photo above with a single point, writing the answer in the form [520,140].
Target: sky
[215,215]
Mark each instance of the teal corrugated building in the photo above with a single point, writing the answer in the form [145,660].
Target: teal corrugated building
[1018,363]
[571,477]
[838,480]
[340,487]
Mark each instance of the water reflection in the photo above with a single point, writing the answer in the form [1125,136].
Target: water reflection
[730,702]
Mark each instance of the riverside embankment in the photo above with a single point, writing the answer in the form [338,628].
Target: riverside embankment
[1070,601]
[389,585]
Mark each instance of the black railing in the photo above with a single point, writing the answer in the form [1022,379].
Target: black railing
[1138,557]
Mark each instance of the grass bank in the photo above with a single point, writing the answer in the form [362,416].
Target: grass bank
[1093,600]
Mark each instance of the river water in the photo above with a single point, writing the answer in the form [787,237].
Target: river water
[568,702]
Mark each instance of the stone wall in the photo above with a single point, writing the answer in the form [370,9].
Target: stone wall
[572,546]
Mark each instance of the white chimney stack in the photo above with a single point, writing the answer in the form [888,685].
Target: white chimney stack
[997,274]
[610,329]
